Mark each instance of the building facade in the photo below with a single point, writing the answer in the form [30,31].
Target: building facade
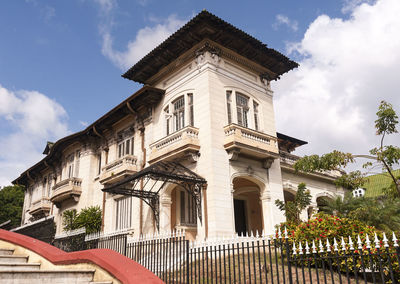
[195,148]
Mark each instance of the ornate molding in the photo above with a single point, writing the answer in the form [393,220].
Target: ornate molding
[233,155]
[266,164]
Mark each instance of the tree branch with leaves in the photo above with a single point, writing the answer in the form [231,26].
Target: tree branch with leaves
[386,156]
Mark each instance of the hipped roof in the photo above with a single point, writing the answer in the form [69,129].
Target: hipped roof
[208,26]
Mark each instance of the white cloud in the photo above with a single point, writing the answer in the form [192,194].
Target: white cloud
[29,119]
[146,39]
[106,5]
[347,68]
[350,5]
[284,20]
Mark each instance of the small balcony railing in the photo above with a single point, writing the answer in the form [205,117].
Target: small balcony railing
[249,142]
[176,145]
[118,169]
[40,207]
[66,189]
[287,158]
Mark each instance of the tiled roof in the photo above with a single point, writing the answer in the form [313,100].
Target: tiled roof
[208,26]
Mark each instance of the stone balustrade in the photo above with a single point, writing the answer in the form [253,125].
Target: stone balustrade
[249,142]
[178,144]
[66,189]
[118,169]
[40,207]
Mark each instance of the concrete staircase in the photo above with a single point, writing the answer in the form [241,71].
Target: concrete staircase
[16,269]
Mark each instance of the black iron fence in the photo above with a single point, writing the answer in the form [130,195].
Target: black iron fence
[256,259]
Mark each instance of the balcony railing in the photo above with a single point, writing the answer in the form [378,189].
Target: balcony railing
[249,142]
[175,145]
[66,189]
[287,158]
[40,207]
[118,169]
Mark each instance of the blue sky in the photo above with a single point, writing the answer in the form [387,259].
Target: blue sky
[61,61]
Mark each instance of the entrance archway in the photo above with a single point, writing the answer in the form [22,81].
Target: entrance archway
[247,207]
[322,201]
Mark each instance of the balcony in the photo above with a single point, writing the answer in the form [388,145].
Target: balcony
[251,143]
[118,169]
[288,159]
[40,207]
[67,189]
[183,143]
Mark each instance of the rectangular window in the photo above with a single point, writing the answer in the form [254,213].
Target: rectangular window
[77,161]
[167,120]
[255,108]
[191,114]
[242,109]
[123,213]
[187,209]
[125,147]
[179,113]
[228,105]
[99,163]
[70,166]
[49,185]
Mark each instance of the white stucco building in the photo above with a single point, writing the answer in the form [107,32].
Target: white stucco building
[196,146]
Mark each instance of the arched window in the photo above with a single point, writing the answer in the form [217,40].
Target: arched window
[179,113]
[247,110]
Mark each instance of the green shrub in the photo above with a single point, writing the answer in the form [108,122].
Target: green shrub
[89,218]
[323,226]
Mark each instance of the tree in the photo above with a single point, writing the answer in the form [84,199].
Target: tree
[89,218]
[382,213]
[11,203]
[385,156]
[293,209]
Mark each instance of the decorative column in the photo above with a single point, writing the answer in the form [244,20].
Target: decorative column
[267,204]
[165,213]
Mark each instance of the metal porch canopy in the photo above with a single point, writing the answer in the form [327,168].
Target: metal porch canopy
[147,184]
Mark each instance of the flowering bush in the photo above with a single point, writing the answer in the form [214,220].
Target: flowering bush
[323,226]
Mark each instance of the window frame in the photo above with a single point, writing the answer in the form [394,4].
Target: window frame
[179,113]
[124,205]
[243,109]
[187,209]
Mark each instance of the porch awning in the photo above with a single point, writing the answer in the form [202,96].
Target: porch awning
[147,184]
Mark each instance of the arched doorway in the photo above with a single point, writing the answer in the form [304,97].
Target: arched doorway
[247,207]
[322,202]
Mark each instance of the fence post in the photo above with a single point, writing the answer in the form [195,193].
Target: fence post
[125,243]
[187,262]
[288,257]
